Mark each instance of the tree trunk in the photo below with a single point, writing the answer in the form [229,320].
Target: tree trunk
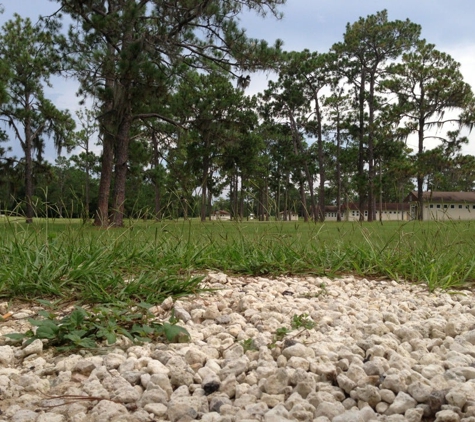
[102,214]
[233,197]
[204,186]
[28,173]
[266,199]
[156,182]
[298,152]
[121,160]
[420,175]
[303,201]
[338,170]
[157,201]
[261,204]
[210,200]
[286,198]
[320,216]
[361,182]
[107,128]
[87,188]
[371,172]
[241,199]
[278,196]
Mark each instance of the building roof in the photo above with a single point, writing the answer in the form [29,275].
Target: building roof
[437,196]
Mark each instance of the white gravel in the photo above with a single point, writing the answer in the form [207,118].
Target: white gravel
[379,351]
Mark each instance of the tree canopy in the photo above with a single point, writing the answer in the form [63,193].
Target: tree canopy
[165,84]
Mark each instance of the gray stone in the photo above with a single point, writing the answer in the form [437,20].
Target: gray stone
[217,401]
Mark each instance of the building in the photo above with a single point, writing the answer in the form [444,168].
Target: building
[351,212]
[288,216]
[443,205]
[221,215]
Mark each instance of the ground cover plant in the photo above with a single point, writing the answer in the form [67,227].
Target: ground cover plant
[66,261]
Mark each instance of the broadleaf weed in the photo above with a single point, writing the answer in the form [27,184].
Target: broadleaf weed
[89,329]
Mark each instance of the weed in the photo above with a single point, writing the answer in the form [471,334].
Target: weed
[302,321]
[321,292]
[89,329]
[248,344]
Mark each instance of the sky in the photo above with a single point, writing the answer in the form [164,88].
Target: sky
[316,25]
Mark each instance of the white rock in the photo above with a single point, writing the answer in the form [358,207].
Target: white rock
[349,416]
[6,355]
[401,404]
[298,350]
[35,347]
[108,411]
[447,416]
[330,410]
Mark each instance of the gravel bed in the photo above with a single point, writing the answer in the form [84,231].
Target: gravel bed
[378,351]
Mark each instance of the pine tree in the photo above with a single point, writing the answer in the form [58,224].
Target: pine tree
[130,50]
[33,56]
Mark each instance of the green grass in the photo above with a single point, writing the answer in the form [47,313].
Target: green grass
[65,260]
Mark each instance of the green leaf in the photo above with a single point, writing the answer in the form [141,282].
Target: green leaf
[38,322]
[148,330]
[73,337]
[77,317]
[110,337]
[47,331]
[16,336]
[46,314]
[175,333]
[142,339]
[144,305]
[79,333]
[87,343]
[173,319]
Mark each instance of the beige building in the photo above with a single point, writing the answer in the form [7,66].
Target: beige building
[351,212]
[288,216]
[443,205]
[221,215]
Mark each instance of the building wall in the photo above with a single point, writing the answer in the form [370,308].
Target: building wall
[221,217]
[450,211]
[354,215]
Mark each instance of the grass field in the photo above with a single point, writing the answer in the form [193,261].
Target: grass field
[65,260]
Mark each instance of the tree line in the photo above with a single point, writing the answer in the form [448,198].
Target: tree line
[165,85]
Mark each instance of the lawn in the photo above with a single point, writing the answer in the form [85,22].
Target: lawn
[65,260]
